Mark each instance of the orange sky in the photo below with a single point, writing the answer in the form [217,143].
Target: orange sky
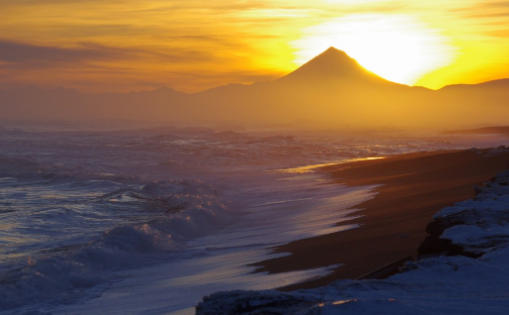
[115,45]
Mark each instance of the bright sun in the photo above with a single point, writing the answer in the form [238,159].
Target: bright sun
[396,47]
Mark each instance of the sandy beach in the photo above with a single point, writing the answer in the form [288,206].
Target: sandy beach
[413,187]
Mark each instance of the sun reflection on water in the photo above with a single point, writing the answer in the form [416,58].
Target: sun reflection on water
[311,168]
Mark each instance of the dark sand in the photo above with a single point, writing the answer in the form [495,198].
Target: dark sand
[481,131]
[416,186]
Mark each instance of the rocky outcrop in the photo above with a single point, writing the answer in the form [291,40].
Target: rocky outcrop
[473,227]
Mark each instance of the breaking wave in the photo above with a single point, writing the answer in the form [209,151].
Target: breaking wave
[156,221]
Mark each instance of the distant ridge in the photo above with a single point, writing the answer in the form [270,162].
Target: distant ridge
[500,83]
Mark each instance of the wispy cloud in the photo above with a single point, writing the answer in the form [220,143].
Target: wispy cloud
[15,52]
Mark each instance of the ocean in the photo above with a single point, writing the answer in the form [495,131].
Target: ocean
[124,220]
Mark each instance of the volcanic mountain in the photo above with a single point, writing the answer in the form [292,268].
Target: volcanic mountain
[333,65]
[330,86]
[332,68]
[330,90]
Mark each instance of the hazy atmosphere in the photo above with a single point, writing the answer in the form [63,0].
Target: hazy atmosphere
[254,157]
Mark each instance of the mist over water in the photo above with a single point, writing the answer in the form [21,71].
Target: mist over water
[79,208]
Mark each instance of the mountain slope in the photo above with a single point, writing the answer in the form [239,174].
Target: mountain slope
[334,65]
[330,90]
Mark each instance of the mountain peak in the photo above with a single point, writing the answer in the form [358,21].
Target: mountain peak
[333,64]
[334,50]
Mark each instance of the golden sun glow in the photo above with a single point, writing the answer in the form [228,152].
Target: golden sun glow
[119,46]
[396,47]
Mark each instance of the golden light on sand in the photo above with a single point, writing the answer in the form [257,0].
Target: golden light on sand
[396,47]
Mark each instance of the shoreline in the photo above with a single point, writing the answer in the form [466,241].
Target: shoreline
[413,187]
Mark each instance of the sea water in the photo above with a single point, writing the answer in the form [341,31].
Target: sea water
[149,221]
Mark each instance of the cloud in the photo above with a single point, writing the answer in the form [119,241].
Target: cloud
[496,4]
[23,55]
[486,9]
[14,52]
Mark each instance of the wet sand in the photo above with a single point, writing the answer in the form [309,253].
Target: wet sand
[415,187]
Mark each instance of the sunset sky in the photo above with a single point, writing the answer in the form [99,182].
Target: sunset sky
[192,45]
